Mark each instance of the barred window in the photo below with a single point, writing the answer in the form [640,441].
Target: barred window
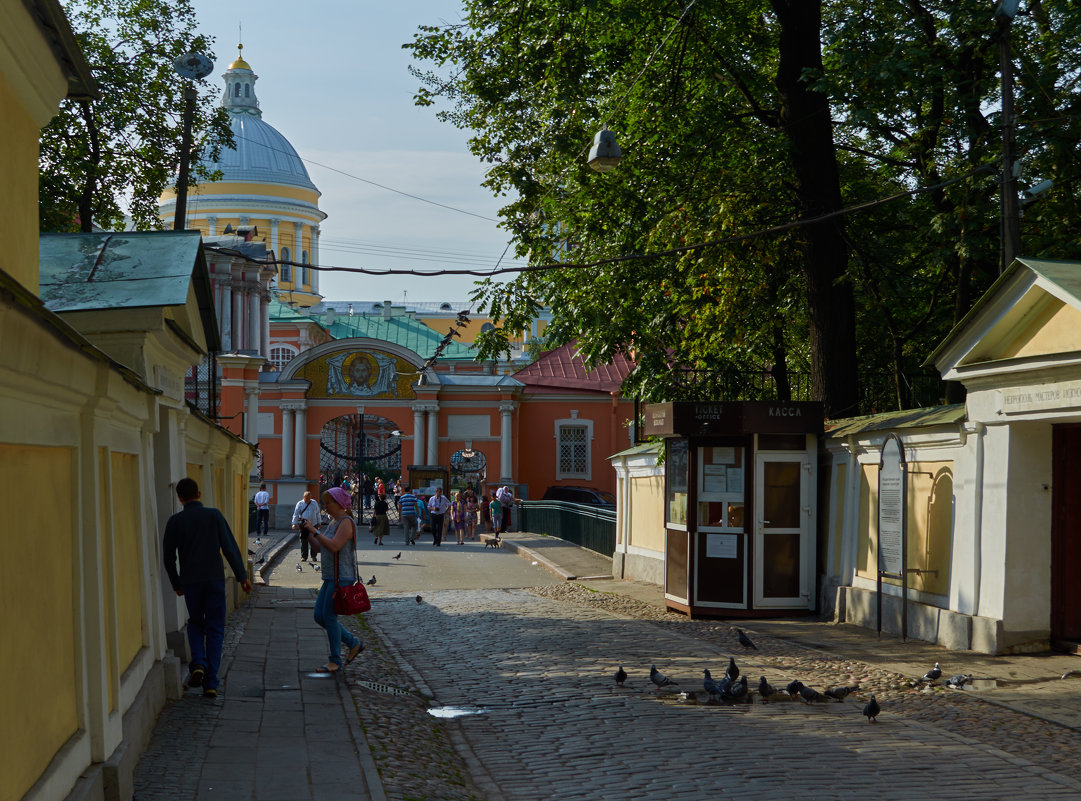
[573,451]
[281,355]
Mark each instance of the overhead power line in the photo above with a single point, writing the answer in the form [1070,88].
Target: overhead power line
[638,257]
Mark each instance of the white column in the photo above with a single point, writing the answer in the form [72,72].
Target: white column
[251,430]
[505,452]
[298,250]
[418,435]
[300,457]
[227,314]
[315,259]
[211,226]
[287,440]
[274,237]
[433,435]
[238,318]
[264,324]
[255,328]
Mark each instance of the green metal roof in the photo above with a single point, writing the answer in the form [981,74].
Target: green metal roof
[910,418]
[125,270]
[81,272]
[404,331]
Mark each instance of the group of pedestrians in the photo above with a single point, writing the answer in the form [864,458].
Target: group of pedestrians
[198,536]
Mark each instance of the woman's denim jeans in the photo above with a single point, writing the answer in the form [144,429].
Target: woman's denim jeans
[325,617]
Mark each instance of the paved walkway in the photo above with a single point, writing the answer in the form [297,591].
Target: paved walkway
[278,731]
[553,722]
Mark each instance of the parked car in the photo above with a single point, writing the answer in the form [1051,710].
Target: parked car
[583,495]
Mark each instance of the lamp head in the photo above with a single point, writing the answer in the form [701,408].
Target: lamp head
[605,154]
[1007,9]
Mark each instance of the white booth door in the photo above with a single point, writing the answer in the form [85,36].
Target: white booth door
[783,535]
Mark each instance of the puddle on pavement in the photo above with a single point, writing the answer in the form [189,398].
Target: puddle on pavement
[319,675]
[981,685]
[455,711]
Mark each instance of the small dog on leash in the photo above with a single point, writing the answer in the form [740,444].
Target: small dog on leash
[493,542]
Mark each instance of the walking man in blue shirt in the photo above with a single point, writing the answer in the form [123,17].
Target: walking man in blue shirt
[410,512]
[199,535]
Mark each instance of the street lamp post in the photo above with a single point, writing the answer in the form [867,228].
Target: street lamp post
[191,67]
[1011,214]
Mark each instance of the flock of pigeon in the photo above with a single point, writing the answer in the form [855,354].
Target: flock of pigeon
[734,688]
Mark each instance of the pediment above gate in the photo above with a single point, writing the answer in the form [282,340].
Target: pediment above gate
[357,369]
[1030,318]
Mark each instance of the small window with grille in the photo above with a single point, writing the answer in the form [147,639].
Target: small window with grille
[573,457]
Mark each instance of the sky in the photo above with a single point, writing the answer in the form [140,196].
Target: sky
[334,80]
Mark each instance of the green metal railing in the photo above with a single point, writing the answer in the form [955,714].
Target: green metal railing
[588,526]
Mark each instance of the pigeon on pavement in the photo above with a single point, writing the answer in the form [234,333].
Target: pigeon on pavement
[764,688]
[709,685]
[793,688]
[840,693]
[419,599]
[810,695]
[745,641]
[934,674]
[621,676]
[871,710]
[659,678]
[371,582]
[732,671]
[399,556]
[737,690]
[958,681]
[299,568]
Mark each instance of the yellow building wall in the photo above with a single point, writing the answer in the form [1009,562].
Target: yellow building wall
[929,512]
[647,512]
[837,522]
[127,550]
[19,199]
[39,712]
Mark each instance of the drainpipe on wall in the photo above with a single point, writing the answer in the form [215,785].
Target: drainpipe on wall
[979,429]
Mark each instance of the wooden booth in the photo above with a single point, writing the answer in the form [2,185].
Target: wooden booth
[740,497]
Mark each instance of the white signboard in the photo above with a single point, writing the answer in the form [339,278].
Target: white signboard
[722,546]
[891,507]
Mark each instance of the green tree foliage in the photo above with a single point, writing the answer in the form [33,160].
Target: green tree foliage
[104,158]
[734,119]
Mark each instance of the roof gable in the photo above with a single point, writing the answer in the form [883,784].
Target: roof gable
[1033,310]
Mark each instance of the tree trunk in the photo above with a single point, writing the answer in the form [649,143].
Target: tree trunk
[808,125]
[90,181]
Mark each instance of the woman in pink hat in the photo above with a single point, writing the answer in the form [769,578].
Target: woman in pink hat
[340,539]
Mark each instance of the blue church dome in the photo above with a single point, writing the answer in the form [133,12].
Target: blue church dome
[261,154]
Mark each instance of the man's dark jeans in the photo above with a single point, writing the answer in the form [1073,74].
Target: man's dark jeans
[206,626]
[437,529]
[262,525]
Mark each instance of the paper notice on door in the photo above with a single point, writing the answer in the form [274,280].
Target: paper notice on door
[714,479]
[735,479]
[722,546]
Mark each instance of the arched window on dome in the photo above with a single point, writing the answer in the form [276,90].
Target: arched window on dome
[236,90]
[286,269]
[247,90]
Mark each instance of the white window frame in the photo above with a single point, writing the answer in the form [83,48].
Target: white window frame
[574,422]
[282,346]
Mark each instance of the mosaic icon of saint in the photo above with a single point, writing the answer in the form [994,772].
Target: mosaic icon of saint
[361,374]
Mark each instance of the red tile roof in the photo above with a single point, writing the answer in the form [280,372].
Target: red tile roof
[564,368]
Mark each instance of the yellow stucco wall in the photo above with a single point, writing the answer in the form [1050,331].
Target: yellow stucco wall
[647,512]
[128,556]
[837,512]
[206,195]
[1056,329]
[19,200]
[40,710]
[108,582]
[930,524]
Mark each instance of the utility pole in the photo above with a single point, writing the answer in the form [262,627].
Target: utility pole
[1011,214]
[179,218]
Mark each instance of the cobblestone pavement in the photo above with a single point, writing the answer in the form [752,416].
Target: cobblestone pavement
[555,725]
